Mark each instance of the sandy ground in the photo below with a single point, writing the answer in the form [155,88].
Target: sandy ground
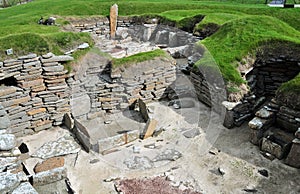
[216,147]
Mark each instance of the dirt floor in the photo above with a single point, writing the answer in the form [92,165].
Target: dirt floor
[217,160]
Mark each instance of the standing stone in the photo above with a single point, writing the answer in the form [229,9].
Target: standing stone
[113,20]
[293,159]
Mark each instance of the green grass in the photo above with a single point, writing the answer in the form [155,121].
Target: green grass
[292,86]
[137,58]
[238,38]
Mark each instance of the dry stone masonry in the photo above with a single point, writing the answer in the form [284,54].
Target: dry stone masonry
[33,93]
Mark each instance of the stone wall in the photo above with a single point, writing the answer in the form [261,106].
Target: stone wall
[266,77]
[36,91]
[103,90]
[33,93]
[276,130]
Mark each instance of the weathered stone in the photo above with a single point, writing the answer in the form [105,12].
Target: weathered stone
[191,133]
[7,90]
[287,124]
[113,16]
[36,111]
[80,105]
[83,46]
[297,133]
[82,135]
[63,146]
[117,140]
[149,128]
[32,83]
[168,154]
[15,101]
[293,159]
[4,122]
[274,147]
[49,164]
[140,163]
[7,142]
[61,58]
[25,188]
[264,113]
[8,182]
[48,55]
[68,121]
[229,119]
[258,123]
[50,176]
[54,68]
[143,110]
[30,56]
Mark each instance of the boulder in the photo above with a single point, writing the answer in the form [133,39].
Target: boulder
[7,142]
[8,182]
[25,188]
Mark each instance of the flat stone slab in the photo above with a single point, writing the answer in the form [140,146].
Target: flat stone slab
[80,105]
[25,188]
[100,135]
[168,154]
[63,146]
[8,182]
[139,163]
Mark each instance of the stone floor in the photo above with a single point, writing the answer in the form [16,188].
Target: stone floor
[215,160]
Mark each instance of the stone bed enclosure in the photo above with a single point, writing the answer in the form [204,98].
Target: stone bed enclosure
[37,93]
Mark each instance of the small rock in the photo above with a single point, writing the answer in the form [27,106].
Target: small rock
[108,122]
[136,149]
[176,106]
[297,134]
[268,155]
[191,133]
[140,163]
[251,190]
[221,171]
[168,154]
[94,161]
[7,142]
[264,172]
[83,46]
[170,178]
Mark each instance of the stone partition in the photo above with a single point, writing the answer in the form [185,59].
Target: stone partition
[101,89]
[33,93]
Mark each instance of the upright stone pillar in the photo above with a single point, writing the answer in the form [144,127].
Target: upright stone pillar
[113,20]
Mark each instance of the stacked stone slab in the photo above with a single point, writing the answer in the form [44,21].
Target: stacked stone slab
[209,90]
[100,89]
[276,129]
[56,97]
[34,94]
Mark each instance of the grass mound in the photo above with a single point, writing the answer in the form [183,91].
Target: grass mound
[137,58]
[240,37]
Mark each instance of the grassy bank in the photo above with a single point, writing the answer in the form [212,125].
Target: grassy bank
[137,58]
[243,25]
